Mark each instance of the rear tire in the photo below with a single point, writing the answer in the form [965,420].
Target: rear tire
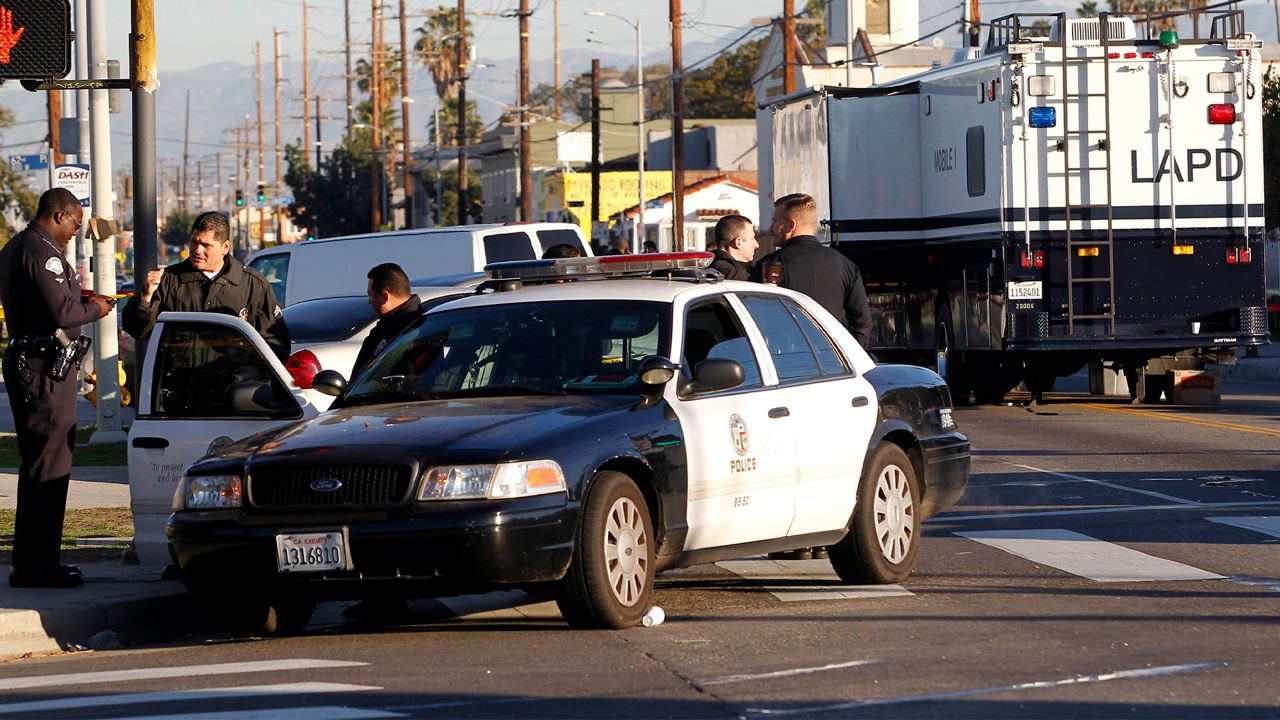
[884,539]
[610,579]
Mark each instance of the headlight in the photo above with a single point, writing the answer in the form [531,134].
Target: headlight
[209,492]
[507,480]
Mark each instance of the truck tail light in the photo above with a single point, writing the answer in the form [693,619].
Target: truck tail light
[303,366]
[1037,259]
[1222,114]
[1184,249]
[1087,252]
[1025,260]
[1246,255]
[1239,255]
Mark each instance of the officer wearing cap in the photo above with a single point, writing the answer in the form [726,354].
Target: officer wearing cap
[44,310]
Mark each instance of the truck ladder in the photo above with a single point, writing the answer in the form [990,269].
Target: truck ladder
[1075,313]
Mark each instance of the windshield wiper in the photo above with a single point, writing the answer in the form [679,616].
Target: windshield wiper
[388,396]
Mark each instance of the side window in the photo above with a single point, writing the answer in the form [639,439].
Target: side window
[548,238]
[507,246]
[829,360]
[711,331]
[976,160]
[275,268]
[793,357]
[212,371]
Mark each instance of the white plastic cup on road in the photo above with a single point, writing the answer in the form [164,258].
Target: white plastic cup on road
[654,616]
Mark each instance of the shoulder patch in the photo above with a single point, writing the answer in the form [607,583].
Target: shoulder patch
[54,265]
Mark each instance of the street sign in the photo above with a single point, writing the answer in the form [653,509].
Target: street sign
[74,177]
[35,39]
[28,163]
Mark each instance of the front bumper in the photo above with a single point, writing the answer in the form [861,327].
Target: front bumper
[423,550]
[946,471]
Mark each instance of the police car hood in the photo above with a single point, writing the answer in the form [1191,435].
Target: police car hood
[492,426]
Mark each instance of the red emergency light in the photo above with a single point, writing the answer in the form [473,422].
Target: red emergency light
[1222,114]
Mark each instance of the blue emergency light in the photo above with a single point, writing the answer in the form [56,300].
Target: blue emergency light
[1043,117]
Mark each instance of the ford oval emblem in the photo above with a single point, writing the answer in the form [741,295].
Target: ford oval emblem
[326,484]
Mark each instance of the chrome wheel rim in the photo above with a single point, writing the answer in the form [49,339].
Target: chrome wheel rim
[894,514]
[626,552]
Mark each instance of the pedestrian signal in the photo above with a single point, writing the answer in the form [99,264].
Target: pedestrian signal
[35,39]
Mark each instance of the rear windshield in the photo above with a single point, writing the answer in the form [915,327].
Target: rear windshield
[548,238]
[507,246]
[328,319]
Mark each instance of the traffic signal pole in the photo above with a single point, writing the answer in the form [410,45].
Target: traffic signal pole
[106,348]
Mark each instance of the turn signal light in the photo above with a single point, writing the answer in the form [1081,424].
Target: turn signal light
[1087,252]
[1184,249]
[1222,114]
[303,366]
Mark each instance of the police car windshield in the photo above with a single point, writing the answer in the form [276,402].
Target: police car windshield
[569,346]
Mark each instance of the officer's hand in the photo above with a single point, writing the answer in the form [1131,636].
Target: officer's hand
[104,303]
[153,282]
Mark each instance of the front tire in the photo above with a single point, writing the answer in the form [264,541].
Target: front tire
[884,539]
[610,579]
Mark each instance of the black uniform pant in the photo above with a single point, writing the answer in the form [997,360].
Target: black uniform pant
[44,414]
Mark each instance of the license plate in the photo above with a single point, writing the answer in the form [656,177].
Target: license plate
[1025,291]
[312,552]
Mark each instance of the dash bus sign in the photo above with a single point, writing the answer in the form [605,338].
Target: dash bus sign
[35,39]
[74,178]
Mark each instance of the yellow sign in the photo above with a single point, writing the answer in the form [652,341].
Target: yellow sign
[570,194]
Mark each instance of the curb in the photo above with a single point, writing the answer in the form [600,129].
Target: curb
[1251,373]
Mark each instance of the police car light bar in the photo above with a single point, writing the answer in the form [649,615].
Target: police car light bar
[606,266]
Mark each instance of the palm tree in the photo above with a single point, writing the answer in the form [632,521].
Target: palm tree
[1087,10]
[437,49]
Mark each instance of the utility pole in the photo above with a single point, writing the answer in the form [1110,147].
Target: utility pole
[53,102]
[526,151]
[102,229]
[318,131]
[975,24]
[638,246]
[595,144]
[262,160]
[278,149]
[557,53]
[437,213]
[462,113]
[346,17]
[186,158]
[84,250]
[306,87]
[788,45]
[375,114]
[199,185]
[677,126]
[406,156]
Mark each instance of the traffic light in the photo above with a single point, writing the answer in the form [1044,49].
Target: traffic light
[262,192]
[239,198]
[35,40]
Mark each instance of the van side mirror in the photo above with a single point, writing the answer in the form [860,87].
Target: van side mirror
[329,382]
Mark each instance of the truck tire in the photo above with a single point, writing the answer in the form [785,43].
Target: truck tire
[884,536]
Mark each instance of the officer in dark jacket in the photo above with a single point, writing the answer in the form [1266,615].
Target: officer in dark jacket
[396,306]
[44,311]
[209,280]
[805,265]
[735,247]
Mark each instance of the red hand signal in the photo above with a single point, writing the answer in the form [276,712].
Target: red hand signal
[8,38]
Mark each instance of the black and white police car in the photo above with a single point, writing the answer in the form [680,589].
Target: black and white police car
[576,426]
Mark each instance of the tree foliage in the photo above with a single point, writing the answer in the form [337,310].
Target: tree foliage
[336,198]
[449,123]
[447,212]
[176,230]
[437,49]
[14,192]
[1271,146]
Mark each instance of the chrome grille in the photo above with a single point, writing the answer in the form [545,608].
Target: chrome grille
[361,486]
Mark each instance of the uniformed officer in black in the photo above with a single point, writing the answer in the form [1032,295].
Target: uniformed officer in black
[396,306]
[211,279]
[735,247]
[803,264]
[43,310]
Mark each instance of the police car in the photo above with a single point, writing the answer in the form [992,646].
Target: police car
[575,426]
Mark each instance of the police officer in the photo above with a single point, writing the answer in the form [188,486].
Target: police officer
[803,264]
[396,306]
[44,311]
[735,247]
[209,280]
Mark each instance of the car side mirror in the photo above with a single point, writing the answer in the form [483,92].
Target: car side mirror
[656,371]
[715,374]
[329,382]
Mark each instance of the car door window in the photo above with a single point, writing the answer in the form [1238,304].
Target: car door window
[712,331]
[507,246]
[205,370]
[798,353]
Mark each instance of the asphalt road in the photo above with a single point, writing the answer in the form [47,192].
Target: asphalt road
[1108,561]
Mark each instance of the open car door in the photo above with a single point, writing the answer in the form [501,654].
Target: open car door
[208,380]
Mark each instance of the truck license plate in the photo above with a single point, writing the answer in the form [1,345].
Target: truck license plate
[311,552]
[1025,291]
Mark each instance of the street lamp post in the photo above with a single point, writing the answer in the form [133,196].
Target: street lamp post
[640,226]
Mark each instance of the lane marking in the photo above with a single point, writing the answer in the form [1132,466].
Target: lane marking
[1102,511]
[767,573]
[1034,685]
[781,673]
[1174,417]
[1087,557]
[1103,483]
[110,676]
[327,712]
[1267,525]
[71,703]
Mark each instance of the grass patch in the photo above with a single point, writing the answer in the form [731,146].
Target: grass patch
[80,524]
[85,454]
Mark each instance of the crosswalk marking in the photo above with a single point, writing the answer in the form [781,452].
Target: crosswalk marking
[111,676]
[1263,524]
[324,712]
[186,696]
[781,673]
[769,573]
[1087,557]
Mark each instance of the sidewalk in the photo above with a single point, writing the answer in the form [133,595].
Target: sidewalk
[1263,368]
